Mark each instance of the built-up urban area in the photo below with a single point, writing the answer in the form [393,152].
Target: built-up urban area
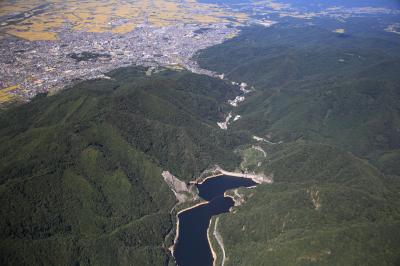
[30,68]
[48,45]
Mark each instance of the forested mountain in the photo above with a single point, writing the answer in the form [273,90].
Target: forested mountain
[333,99]
[80,172]
[80,175]
[317,85]
[325,207]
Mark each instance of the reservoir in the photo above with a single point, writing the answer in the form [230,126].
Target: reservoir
[192,248]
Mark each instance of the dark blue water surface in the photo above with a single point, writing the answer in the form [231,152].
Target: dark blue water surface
[192,248]
[216,186]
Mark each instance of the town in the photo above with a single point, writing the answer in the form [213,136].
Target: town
[47,66]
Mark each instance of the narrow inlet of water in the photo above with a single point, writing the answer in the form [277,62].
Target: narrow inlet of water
[192,247]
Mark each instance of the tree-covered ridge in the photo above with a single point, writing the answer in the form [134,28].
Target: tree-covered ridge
[326,207]
[318,85]
[334,102]
[80,172]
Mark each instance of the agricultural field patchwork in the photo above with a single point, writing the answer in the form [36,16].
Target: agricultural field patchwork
[43,20]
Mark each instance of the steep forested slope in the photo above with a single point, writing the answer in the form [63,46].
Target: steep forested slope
[333,99]
[80,175]
[326,207]
[317,85]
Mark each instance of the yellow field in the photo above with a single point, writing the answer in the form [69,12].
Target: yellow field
[34,35]
[10,7]
[100,16]
[125,28]
[340,31]
[5,94]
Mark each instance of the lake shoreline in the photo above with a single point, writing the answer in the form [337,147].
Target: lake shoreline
[218,171]
[172,248]
[258,179]
[213,253]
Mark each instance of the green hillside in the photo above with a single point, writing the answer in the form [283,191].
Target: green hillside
[334,102]
[80,175]
[317,85]
[326,207]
